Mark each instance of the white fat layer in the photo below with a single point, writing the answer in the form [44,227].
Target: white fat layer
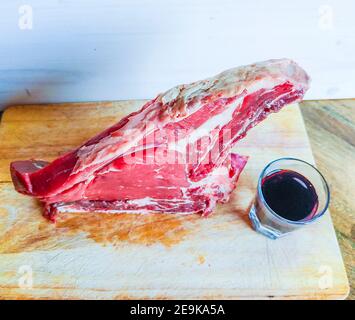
[149,201]
[218,174]
[143,202]
[38,166]
[218,120]
[171,94]
[69,209]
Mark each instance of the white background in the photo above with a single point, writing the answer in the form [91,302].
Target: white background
[86,50]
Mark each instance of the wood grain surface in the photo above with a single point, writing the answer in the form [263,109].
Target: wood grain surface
[331,129]
[156,256]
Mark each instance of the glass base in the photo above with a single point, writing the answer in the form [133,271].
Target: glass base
[265,230]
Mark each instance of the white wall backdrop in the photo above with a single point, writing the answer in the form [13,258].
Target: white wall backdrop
[84,50]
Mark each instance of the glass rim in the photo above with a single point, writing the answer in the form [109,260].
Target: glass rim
[300,222]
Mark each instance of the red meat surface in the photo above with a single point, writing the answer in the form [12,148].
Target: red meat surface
[174,155]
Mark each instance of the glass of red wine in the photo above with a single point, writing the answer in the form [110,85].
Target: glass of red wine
[291,193]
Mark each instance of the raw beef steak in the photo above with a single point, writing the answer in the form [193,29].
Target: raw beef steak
[174,155]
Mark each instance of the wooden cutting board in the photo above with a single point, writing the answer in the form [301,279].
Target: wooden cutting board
[155,256]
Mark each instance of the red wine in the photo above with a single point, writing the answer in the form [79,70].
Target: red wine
[290,195]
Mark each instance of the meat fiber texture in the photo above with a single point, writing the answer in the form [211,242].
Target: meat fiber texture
[173,155]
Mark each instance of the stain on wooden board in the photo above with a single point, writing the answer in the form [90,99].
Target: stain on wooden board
[30,233]
[143,229]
